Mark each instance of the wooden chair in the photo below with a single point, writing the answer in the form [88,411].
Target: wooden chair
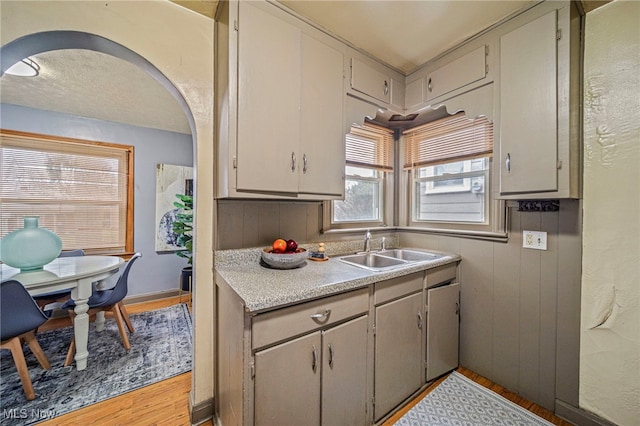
[105,301]
[19,317]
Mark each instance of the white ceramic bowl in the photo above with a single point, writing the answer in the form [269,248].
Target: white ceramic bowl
[284,260]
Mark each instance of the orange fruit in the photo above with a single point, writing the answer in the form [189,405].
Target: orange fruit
[279,246]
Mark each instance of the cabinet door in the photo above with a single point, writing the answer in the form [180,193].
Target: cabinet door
[268,101]
[344,374]
[459,73]
[398,352]
[443,310]
[528,108]
[368,80]
[287,383]
[322,141]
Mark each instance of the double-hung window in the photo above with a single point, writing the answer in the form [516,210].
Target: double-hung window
[81,190]
[449,163]
[369,159]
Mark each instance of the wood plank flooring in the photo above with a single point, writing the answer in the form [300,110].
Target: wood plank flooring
[167,402]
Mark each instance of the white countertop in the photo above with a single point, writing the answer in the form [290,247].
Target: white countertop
[262,289]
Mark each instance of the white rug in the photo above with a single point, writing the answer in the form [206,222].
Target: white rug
[459,401]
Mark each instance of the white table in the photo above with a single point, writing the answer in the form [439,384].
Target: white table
[75,273]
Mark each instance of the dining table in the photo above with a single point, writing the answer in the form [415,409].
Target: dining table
[77,273]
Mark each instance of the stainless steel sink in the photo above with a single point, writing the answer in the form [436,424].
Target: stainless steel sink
[409,255]
[388,259]
[373,261]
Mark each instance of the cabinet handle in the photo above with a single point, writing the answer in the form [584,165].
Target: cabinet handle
[321,316]
[507,162]
[330,355]
[419,320]
[429,86]
[314,362]
[293,161]
[386,88]
[457,308]
[304,163]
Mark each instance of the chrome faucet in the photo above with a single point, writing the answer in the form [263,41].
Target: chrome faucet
[367,242]
[383,246]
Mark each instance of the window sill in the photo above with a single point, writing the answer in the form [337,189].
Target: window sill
[499,237]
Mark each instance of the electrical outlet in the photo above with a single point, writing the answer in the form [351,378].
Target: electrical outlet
[534,240]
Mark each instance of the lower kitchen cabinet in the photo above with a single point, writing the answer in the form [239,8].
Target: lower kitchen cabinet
[347,359]
[287,383]
[320,378]
[399,331]
[344,373]
[443,329]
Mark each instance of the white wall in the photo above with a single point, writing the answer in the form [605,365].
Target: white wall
[610,324]
[156,272]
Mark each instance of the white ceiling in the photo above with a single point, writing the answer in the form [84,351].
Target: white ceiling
[403,34]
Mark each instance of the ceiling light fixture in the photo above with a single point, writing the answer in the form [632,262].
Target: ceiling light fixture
[27,67]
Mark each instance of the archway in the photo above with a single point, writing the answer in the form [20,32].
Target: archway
[29,33]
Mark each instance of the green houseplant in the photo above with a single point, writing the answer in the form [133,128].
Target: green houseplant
[183,226]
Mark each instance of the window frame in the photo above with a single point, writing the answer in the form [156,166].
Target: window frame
[494,227]
[386,196]
[128,151]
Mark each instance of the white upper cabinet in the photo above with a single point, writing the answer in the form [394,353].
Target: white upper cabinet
[322,136]
[368,80]
[539,86]
[376,83]
[468,69]
[268,102]
[280,106]
[528,92]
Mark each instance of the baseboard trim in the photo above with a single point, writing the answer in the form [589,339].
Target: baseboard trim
[200,413]
[148,297]
[579,416]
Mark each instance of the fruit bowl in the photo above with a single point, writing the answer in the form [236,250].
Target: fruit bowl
[284,260]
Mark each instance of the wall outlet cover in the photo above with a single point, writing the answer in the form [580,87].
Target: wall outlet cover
[534,240]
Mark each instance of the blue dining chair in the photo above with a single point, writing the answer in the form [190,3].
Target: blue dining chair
[104,301]
[57,296]
[19,317]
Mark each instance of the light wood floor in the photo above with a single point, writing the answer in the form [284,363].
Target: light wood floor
[167,402]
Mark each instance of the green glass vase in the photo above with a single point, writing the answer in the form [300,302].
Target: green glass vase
[31,247]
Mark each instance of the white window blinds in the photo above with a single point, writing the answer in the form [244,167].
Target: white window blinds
[447,139]
[80,190]
[371,146]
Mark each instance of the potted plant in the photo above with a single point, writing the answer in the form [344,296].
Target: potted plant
[183,228]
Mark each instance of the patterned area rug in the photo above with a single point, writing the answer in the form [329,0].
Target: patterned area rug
[160,349]
[459,401]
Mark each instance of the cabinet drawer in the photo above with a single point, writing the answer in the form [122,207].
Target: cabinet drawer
[284,323]
[397,287]
[367,80]
[465,70]
[441,274]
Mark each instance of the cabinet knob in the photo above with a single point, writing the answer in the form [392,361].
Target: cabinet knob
[293,161]
[429,86]
[386,87]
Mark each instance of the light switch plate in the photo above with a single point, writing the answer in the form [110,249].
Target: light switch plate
[534,240]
